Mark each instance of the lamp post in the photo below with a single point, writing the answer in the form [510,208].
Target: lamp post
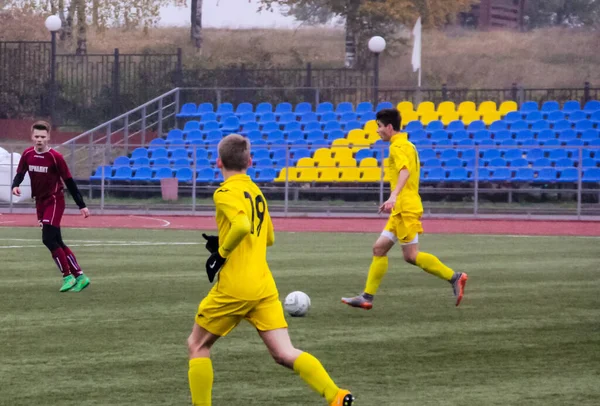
[53,24]
[377,46]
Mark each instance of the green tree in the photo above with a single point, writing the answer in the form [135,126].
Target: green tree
[542,13]
[364,18]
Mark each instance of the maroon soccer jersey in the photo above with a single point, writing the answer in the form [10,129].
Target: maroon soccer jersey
[45,171]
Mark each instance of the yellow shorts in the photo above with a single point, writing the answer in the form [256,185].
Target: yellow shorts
[219,313]
[403,228]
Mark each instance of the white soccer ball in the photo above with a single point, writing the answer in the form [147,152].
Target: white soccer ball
[297,304]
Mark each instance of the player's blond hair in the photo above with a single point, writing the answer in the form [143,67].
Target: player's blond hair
[41,125]
[234,151]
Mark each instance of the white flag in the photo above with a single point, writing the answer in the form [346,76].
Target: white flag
[416,55]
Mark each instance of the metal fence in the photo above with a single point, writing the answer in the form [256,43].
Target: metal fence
[478,194]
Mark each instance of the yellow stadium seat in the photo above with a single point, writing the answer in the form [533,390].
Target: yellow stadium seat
[466,107]
[369,162]
[370,175]
[307,174]
[386,174]
[329,175]
[326,162]
[322,153]
[356,136]
[292,175]
[371,126]
[470,117]
[346,163]
[487,106]
[425,107]
[341,142]
[447,118]
[342,153]
[405,106]
[507,106]
[305,162]
[446,107]
[350,174]
[490,117]
[386,162]
[429,117]
[409,116]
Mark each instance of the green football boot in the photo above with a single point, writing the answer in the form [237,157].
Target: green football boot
[68,283]
[82,283]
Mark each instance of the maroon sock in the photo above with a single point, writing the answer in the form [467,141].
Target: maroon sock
[74,265]
[61,261]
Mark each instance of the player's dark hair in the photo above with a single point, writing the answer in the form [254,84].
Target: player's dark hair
[234,151]
[41,125]
[390,116]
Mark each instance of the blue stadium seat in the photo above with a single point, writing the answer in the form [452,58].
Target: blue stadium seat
[140,162]
[254,136]
[184,175]
[561,125]
[344,107]
[437,175]
[592,106]
[498,125]
[426,154]
[512,117]
[556,154]
[529,106]
[98,173]
[513,154]
[210,126]
[596,118]
[518,126]
[509,143]
[551,105]
[213,137]
[379,152]
[121,161]
[475,126]
[452,163]
[540,125]
[413,125]
[534,116]
[449,154]
[263,163]
[445,142]
[563,163]
[179,154]
[588,136]
[577,115]
[364,153]
[335,134]
[243,108]
[497,163]
[161,162]
[176,144]
[541,163]
[266,175]
[364,107]
[588,162]
[283,108]
[315,135]
[280,154]
[458,175]
[329,116]
[276,138]
[142,174]
[224,108]
[568,175]
[264,108]
[292,126]
[348,116]
[555,116]
[156,143]
[547,175]
[435,126]
[567,135]
[501,175]
[247,127]
[524,175]
[261,154]
[571,105]
[122,173]
[270,126]
[205,108]
[423,142]
[139,153]
[324,107]
[203,162]
[591,175]
[205,175]
[316,144]
[181,163]
[420,134]
[489,154]
[193,136]
[302,108]
[546,135]
[300,153]
[438,136]
[432,163]
[351,125]
[312,125]
[532,142]
[459,136]
[523,135]
[502,136]
[287,118]
[188,110]
[208,116]
[247,118]
[368,116]
[553,143]
[519,163]
[455,125]
[583,125]
[294,136]
[299,144]
[230,125]
[332,126]
[178,134]
[384,105]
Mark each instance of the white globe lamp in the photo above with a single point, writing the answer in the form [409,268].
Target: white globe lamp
[377,44]
[53,23]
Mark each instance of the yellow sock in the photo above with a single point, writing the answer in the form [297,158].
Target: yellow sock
[378,268]
[201,381]
[312,372]
[430,263]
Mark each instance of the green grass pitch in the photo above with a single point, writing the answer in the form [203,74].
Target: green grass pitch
[527,333]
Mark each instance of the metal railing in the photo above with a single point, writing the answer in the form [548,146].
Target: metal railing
[475,195]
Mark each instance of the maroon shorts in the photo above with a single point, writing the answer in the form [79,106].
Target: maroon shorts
[50,210]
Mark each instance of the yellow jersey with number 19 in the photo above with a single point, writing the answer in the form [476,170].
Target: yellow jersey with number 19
[246,274]
[403,155]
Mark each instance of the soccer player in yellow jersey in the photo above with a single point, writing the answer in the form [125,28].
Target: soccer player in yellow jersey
[245,288]
[404,224]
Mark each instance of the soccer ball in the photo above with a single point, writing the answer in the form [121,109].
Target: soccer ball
[297,304]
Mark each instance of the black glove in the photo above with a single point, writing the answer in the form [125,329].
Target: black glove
[213,265]
[212,243]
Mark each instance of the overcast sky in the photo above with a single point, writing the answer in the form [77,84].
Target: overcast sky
[229,13]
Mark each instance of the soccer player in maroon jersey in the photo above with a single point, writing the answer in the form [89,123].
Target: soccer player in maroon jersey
[47,170]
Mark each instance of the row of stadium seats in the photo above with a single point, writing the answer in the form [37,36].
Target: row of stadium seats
[355,174]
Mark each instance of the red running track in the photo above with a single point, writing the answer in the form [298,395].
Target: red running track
[296,224]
